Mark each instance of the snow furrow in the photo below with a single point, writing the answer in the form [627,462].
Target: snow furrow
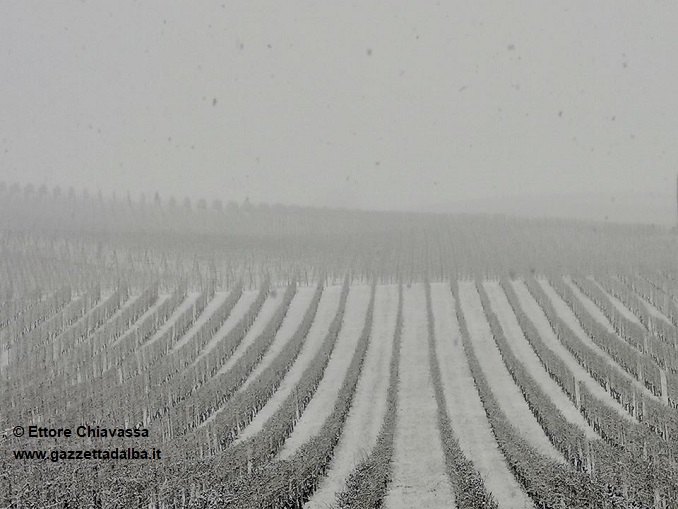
[190,299]
[538,318]
[619,305]
[267,311]
[507,393]
[651,308]
[419,477]
[465,409]
[524,352]
[369,405]
[212,305]
[570,318]
[322,403]
[295,314]
[590,306]
[327,308]
[149,311]
[238,311]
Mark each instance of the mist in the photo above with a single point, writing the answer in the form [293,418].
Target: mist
[511,107]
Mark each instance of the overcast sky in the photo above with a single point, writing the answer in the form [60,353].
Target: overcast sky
[405,105]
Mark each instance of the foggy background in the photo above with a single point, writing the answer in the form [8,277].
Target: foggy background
[530,107]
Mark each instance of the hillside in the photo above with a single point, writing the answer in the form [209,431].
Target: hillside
[169,356]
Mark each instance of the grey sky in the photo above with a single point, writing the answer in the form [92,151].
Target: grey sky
[408,105]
